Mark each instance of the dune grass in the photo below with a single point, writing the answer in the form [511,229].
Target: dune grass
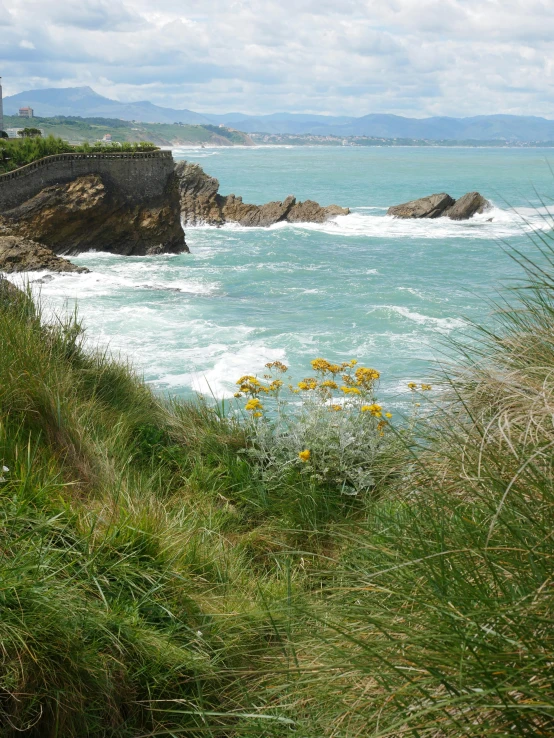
[151,583]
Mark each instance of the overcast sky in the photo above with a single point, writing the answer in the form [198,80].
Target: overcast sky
[410,57]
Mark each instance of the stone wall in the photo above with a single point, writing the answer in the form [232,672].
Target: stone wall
[134,176]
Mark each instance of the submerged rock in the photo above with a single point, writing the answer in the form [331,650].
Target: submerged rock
[19,254]
[201,203]
[89,213]
[442,205]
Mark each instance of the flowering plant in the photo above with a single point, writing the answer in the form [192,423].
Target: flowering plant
[329,426]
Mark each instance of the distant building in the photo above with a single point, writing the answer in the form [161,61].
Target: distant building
[107,137]
[26,113]
[1,109]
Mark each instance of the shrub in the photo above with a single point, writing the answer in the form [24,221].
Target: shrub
[330,428]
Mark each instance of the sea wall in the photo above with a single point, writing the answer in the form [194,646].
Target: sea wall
[134,176]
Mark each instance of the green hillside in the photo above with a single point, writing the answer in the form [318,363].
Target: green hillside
[80,130]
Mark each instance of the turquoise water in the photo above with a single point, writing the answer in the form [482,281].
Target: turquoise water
[384,291]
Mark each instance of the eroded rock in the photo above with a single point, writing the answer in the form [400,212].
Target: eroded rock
[432,206]
[19,254]
[201,203]
[442,205]
[87,213]
[467,206]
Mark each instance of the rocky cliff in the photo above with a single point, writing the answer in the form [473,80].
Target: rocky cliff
[126,203]
[87,213]
[201,203]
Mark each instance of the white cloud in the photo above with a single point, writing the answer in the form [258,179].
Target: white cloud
[412,57]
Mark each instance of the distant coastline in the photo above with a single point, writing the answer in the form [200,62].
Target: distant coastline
[79,130]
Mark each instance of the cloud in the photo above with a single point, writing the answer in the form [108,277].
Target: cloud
[416,57]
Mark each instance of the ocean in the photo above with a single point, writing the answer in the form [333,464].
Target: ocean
[386,292]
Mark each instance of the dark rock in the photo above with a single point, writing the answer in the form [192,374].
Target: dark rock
[19,254]
[442,205]
[198,194]
[201,203]
[467,206]
[87,213]
[432,206]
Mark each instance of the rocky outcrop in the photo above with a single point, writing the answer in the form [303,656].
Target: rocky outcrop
[88,213]
[19,254]
[201,203]
[442,205]
[467,206]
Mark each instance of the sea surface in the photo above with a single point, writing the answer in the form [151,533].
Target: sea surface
[386,292]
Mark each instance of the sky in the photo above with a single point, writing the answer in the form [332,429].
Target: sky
[347,57]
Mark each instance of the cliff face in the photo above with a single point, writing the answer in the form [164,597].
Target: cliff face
[88,213]
[119,202]
[201,203]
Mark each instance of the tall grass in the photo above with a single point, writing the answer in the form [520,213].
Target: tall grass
[152,583]
[439,620]
[120,591]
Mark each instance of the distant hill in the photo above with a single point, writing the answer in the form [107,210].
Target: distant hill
[83,101]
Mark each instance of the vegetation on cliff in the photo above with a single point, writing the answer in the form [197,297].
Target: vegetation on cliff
[15,153]
[158,578]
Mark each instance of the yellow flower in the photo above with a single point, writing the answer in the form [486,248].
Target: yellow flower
[246,378]
[238,394]
[412,386]
[253,404]
[426,387]
[336,408]
[365,375]
[353,362]
[320,365]
[275,385]
[374,409]
[308,384]
[304,455]
[335,368]
[388,415]
[351,391]
[257,415]
[329,383]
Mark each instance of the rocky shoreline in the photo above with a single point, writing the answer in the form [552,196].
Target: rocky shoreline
[201,204]
[136,218]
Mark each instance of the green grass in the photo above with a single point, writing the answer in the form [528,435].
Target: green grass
[151,584]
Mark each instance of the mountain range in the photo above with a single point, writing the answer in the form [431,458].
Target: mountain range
[85,102]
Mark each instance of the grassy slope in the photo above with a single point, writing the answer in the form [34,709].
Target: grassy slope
[79,130]
[151,585]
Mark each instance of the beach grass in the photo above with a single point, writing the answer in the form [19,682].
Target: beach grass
[152,583]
